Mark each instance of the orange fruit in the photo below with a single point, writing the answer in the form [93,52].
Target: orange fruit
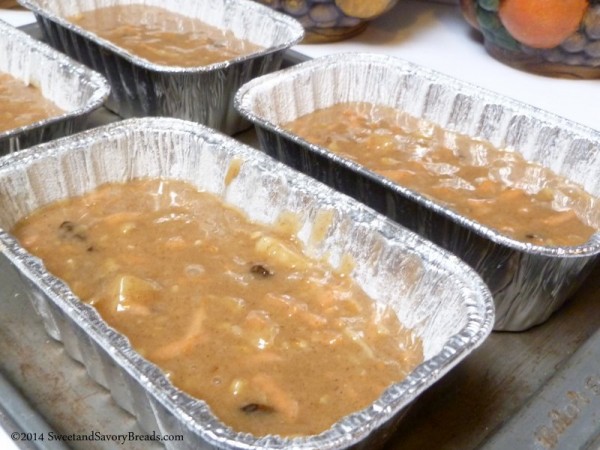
[542,23]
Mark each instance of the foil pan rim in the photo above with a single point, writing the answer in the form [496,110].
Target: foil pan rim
[242,105]
[433,75]
[479,306]
[296,35]
[100,84]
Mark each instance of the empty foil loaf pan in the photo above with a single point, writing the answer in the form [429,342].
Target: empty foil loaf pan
[528,282]
[434,293]
[74,88]
[202,94]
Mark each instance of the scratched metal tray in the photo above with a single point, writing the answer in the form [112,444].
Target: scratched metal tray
[533,390]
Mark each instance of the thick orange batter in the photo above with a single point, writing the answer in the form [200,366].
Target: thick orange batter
[497,188]
[234,312]
[22,104]
[163,37]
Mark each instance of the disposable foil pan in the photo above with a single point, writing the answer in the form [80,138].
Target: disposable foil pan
[74,88]
[435,294]
[202,94]
[528,282]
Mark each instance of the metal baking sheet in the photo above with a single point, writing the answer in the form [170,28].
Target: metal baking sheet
[529,282]
[565,413]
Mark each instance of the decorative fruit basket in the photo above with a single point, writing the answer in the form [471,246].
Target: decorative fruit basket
[552,37]
[331,20]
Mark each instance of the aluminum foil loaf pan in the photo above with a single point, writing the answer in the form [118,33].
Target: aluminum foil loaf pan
[433,293]
[202,94]
[528,282]
[74,88]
